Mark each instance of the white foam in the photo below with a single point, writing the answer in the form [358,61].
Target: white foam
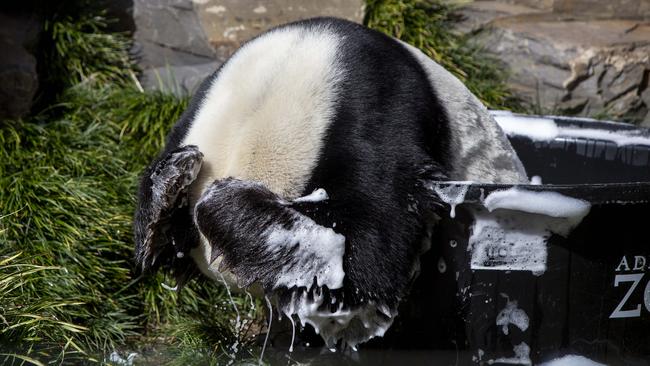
[511,314]
[544,203]
[620,138]
[451,193]
[353,326]
[522,356]
[572,360]
[536,180]
[509,241]
[319,254]
[268,330]
[545,129]
[536,128]
[512,233]
[232,302]
[293,333]
[316,196]
[115,359]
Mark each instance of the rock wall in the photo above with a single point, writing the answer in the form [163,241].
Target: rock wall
[180,42]
[172,49]
[604,9]
[562,63]
[228,23]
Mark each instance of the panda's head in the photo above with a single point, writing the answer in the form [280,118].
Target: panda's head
[163,226]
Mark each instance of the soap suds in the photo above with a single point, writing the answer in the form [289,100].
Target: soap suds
[115,359]
[544,203]
[318,254]
[316,196]
[352,325]
[512,233]
[537,129]
[545,129]
[451,193]
[522,356]
[268,330]
[511,314]
[232,302]
[536,180]
[572,360]
[293,332]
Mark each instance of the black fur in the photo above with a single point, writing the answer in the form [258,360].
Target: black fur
[388,134]
[162,225]
[236,215]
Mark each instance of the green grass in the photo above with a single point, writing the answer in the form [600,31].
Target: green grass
[67,283]
[68,289]
[69,292]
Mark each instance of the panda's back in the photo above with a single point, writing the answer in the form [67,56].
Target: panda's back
[312,98]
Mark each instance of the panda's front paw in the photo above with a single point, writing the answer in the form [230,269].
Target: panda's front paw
[263,239]
[163,195]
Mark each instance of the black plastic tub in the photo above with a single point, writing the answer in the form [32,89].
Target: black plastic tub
[535,288]
[531,273]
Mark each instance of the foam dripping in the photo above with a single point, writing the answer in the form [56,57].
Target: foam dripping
[293,333]
[268,330]
[511,314]
[232,302]
[451,193]
[351,325]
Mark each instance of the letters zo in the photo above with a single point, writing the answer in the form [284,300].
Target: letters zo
[630,306]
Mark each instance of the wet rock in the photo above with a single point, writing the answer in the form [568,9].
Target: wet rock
[18,75]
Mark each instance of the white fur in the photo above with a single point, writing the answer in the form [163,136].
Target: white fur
[481,151]
[264,116]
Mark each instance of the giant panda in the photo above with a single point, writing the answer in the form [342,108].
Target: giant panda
[301,165]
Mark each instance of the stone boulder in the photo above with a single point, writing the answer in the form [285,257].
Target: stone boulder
[229,23]
[18,74]
[180,42]
[564,63]
[170,45]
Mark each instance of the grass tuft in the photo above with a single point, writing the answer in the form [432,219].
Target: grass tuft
[426,25]
[68,290]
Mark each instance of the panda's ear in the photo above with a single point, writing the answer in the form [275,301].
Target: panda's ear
[163,192]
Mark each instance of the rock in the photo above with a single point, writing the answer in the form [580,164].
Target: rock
[573,106]
[229,23]
[18,75]
[612,9]
[479,14]
[170,41]
[180,42]
[646,121]
[566,61]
